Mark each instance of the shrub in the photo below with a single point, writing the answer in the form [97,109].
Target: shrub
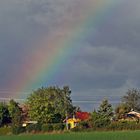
[83,125]
[101,123]
[47,127]
[124,125]
[5,130]
[76,129]
[58,126]
[34,128]
[17,130]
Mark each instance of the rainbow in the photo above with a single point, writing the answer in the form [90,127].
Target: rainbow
[55,50]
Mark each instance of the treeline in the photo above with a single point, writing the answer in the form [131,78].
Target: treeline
[45,106]
[108,118]
[48,107]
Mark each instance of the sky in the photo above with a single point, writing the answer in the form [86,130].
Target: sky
[106,63]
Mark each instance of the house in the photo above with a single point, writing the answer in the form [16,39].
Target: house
[78,117]
[133,116]
[26,123]
[72,122]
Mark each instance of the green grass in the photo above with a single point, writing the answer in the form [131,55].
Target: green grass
[124,135]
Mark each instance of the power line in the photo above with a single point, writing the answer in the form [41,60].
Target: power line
[75,101]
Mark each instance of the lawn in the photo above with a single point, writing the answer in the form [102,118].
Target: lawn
[124,135]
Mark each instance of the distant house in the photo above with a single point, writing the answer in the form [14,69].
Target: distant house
[83,116]
[26,123]
[72,123]
[78,117]
[133,115]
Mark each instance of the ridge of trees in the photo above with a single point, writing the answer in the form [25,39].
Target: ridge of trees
[53,104]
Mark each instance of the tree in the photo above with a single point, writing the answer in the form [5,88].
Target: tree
[121,110]
[4,114]
[16,116]
[105,109]
[102,117]
[48,105]
[132,99]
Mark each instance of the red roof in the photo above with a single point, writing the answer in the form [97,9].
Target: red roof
[82,115]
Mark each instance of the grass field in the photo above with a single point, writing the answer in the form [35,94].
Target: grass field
[124,135]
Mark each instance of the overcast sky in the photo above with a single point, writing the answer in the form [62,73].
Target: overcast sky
[108,65]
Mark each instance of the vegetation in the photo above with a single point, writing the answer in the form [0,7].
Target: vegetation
[121,110]
[50,105]
[47,109]
[16,117]
[4,114]
[132,99]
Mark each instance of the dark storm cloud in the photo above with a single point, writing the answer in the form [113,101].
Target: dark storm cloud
[106,68]
[108,62]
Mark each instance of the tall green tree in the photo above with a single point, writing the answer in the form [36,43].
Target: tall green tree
[15,113]
[4,114]
[105,109]
[102,117]
[16,116]
[132,99]
[47,105]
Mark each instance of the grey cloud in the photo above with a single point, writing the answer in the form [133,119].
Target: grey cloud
[112,69]
[121,28]
[107,63]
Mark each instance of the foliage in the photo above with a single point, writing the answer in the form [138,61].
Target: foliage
[5,130]
[105,109]
[18,129]
[16,116]
[121,110]
[47,128]
[53,126]
[58,126]
[50,105]
[99,121]
[103,116]
[124,125]
[132,99]
[82,126]
[4,114]
[34,128]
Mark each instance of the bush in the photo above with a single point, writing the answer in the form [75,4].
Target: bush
[76,129]
[124,125]
[5,130]
[58,126]
[82,126]
[47,127]
[101,123]
[33,128]
[17,130]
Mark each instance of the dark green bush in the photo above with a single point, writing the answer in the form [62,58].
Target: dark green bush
[17,130]
[124,125]
[34,128]
[47,127]
[58,126]
[82,126]
[76,129]
[101,123]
